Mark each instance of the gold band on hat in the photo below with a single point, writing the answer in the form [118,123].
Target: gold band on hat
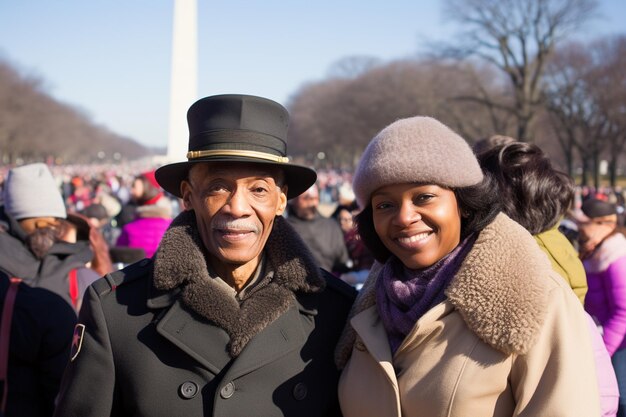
[248,154]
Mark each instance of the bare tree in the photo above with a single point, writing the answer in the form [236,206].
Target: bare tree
[353,66]
[340,116]
[585,92]
[517,37]
[36,127]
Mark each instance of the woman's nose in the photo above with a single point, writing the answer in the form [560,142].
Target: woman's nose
[407,214]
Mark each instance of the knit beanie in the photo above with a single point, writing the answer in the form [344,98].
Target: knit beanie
[594,208]
[415,150]
[30,191]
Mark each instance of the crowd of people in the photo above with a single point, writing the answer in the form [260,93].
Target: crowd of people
[436,279]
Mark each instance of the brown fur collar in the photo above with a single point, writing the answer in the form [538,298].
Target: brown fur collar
[180,263]
[501,290]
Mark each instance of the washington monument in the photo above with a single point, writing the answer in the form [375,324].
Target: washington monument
[184,77]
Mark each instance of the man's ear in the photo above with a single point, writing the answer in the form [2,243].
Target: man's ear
[283,200]
[185,191]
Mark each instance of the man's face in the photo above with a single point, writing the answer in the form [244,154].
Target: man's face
[305,205]
[235,206]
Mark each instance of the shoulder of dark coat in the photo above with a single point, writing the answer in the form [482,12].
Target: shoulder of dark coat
[336,285]
[131,273]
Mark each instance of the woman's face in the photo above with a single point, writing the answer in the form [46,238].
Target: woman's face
[137,189]
[420,224]
[594,231]
[345,220]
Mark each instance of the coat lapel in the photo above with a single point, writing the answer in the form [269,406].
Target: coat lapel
[282,336]
[370,329]
[192,335]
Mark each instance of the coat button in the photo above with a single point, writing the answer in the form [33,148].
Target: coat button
[188,389]
[227,390]
[300,391]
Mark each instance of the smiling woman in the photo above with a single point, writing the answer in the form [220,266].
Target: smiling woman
[463,304]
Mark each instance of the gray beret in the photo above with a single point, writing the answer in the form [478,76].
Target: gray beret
[30,191]
[415,150]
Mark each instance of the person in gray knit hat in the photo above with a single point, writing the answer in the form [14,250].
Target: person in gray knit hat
[462,315]
[44,313]
[36,247]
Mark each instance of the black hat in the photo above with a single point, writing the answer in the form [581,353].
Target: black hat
[594,207]
[237,128]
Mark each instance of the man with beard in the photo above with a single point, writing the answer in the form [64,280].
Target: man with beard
[231,316]
[322,235]
[35,246]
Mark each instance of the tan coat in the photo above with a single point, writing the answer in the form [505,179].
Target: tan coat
[510,340]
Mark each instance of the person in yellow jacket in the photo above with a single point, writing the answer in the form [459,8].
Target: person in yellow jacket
[537,196]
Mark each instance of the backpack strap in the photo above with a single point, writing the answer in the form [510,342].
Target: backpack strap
[73,281]
[5,335]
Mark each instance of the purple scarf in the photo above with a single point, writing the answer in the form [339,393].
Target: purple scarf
[404,295]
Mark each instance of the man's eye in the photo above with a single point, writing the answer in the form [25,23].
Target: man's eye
[216,188]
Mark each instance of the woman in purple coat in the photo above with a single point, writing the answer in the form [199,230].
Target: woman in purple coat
[603,251]
[152,216]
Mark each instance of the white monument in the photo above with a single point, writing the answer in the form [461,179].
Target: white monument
[184,77]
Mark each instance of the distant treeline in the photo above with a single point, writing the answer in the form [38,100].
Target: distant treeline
[36,127]
[515,70]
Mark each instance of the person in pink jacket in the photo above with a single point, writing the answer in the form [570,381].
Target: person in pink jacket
[153,216]
[603,250]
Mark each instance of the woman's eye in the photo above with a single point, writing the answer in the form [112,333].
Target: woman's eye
[424,198]
[382,206]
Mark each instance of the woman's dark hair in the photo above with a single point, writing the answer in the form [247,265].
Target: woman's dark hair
[479,205]
[339,209]
[533,193]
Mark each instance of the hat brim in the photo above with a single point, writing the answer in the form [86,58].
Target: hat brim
[298,178]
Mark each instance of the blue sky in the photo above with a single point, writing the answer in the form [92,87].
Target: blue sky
[111,58]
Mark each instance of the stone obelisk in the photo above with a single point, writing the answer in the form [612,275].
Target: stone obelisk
[184,77]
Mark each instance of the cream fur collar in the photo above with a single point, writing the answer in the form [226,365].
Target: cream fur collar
[501,290]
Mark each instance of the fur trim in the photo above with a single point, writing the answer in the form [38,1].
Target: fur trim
[501,290]
[613,248]
[180,262]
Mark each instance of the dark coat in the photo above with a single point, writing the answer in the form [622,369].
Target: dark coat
[162,338]
[50,272]
[324,238]
[39,349]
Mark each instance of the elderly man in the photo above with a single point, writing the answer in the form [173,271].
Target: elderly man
[231,317]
